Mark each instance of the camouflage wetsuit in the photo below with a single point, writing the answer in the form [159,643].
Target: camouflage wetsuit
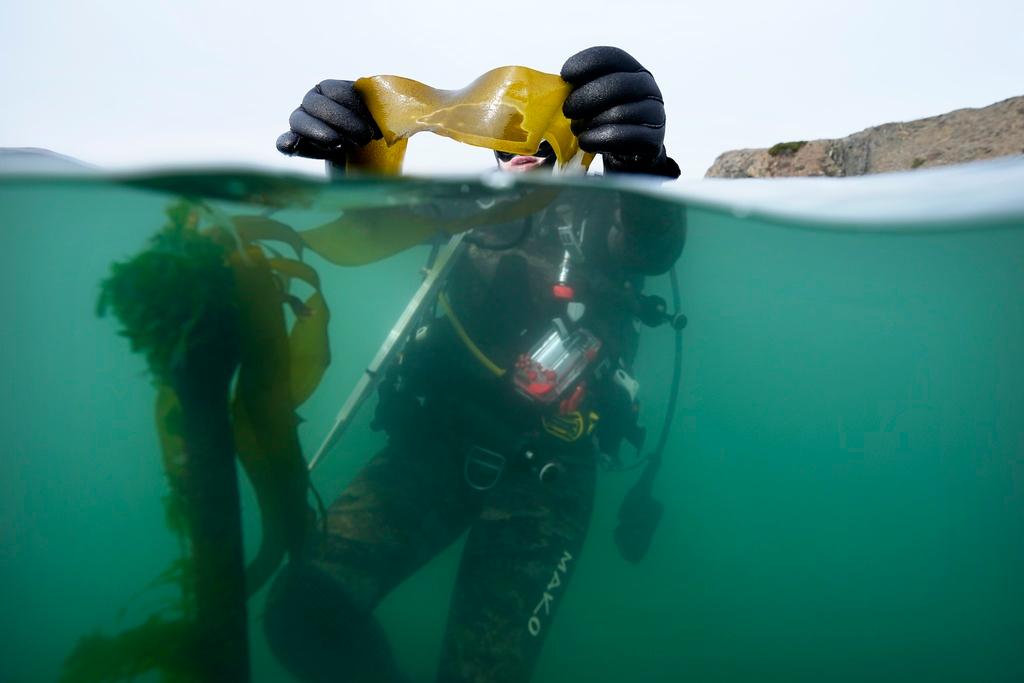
[415,497]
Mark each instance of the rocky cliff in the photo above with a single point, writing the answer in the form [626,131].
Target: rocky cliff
[961,135]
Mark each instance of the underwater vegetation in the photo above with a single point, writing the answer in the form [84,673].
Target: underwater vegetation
[233,353]
[786,148]
[206,307]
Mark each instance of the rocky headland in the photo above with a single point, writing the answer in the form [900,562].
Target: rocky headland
[959,136]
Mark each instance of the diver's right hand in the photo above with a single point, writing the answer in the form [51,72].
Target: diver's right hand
[331,118]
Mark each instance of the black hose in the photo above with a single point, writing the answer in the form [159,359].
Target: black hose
[677,370]
[640,513]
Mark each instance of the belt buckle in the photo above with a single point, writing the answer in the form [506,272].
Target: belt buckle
[483,468]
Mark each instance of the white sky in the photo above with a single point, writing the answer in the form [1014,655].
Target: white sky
[134,84]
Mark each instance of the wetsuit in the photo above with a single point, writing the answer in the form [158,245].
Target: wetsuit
[446,416]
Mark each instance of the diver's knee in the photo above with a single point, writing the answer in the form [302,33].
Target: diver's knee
[318,633]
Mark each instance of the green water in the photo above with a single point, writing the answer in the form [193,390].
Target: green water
[844,483]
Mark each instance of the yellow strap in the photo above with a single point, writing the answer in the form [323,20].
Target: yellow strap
[461,331]
[569,427]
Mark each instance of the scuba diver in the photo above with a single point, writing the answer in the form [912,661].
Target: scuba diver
[499,411]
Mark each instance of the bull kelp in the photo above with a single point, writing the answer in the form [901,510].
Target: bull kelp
[201,306]
[843,486]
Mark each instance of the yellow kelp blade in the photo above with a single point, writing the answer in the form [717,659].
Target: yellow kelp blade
[308,345]
[361,236]
[510,109]
[253,228]
[295,270]
[263,413]
[310,351]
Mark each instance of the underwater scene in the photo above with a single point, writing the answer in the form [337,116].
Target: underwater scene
[841,491]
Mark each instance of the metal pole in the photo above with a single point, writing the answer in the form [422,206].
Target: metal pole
[391,347]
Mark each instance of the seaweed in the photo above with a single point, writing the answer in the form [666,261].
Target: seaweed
[364,235]
[786,148]
[161,295]
[158,644]
[206,309]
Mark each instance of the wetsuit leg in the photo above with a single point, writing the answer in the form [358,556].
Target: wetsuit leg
[521,552]
[403,508]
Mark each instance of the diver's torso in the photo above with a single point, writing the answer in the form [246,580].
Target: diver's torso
[501,293]
[501,289]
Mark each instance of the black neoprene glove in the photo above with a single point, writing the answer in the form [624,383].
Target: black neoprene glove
[331,118]
[616,110]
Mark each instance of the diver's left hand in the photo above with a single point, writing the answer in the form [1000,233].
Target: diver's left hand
[617,110]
